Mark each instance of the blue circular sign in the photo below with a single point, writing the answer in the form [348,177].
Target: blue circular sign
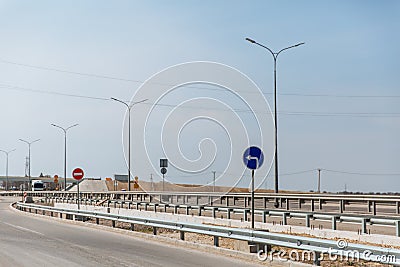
[253,157]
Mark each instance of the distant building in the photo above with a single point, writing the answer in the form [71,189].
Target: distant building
[121,177]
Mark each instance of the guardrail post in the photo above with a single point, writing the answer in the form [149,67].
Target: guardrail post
[113,223]
[245,202]
[334,218]
[154,230]
[264,216]
[287,204]
[320,204]
[374,207]
[227,201]
[265,200]
[397,207]
[97,220]
[299,203]
[214,212]
[364,225]
[245,215]
[228,213]
[397,225]
[132,227]
[234,201]
[216,241]
[369,205]
[200,208]
[308,217]
[175,209]
[60,215]
[197,200]
[317,256]
[312,204]
[187,210]
[284,218]
[182,235]
[137,205]
[341,206]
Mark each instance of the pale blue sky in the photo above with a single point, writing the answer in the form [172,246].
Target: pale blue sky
[338,94]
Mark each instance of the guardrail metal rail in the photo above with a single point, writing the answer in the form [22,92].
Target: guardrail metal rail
[317,246]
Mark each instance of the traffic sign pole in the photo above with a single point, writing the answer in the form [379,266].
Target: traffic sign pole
[252,199]
[253,158]
[79,199]
[78,174]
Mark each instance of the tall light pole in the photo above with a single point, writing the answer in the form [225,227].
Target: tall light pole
[65,150]
[275,56]
[129,107]
[29,158]
[214,181]
[319,180]
[7,152]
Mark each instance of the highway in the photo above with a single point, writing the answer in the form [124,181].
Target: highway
[27,240]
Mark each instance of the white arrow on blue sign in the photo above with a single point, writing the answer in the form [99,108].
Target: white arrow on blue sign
[253,157]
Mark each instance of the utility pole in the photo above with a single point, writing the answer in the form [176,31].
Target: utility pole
[151,181]
[129,107]
[214,181]
[29,156]
[65,150]
[275,56]
[6,153]
[319,180]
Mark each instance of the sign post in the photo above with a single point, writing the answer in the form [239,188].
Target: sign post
[77,173]
[163,166]
[253,158]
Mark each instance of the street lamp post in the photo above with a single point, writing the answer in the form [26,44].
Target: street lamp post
[275,56]
[29,158]
[65,150]
[129,107]
[7,152]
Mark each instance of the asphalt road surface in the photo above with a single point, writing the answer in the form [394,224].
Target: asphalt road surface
[27,240]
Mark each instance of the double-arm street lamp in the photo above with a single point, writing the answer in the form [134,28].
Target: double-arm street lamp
[29,159]
[7,152]
[129,107]
[275,56]
[65,150]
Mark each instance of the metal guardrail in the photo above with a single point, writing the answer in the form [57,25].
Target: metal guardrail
[334,218]
[317,246]
[391,203]
[316,196]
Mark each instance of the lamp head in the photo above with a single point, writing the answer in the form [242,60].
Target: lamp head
[250,40]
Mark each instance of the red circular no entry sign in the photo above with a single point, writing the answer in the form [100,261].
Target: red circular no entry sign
[77,173]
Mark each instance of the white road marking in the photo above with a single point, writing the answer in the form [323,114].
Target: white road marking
[23,229]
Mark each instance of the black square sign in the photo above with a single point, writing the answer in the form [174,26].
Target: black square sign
[163,163]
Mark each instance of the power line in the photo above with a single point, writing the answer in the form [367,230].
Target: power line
[361,173]
[69,72]
[190,86]
[288,113]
